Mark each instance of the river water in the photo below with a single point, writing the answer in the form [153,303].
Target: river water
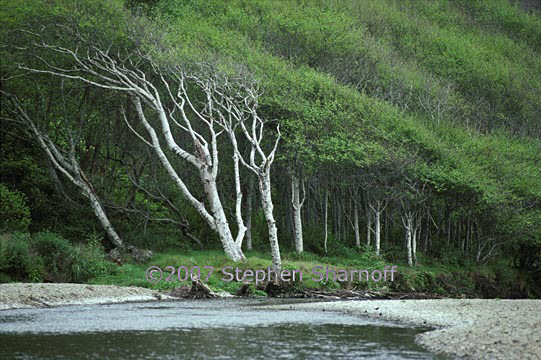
[200,329]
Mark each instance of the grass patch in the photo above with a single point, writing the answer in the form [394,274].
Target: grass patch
[135,274]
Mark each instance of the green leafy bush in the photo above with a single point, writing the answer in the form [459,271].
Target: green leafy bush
[18,260]
[57,253]
[14,213]
[48,257]
[89,261]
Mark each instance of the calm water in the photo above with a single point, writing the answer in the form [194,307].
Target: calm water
[192,329]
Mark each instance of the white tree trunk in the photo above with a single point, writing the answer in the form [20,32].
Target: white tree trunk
[408,246]
[252,127]
[356,223]
[268,207]
[378,227]
[479,246]
[101,68]
[368,227]
[217,221]
[407,220]
[249,210]
[220,220]
[414,245]
[241,232]
[71,170]
[337,215]
[103,219]
[297,219]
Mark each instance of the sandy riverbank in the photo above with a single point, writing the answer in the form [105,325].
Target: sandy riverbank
[469,329]
[29,295]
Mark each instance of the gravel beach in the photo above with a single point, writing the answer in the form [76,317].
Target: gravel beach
[29,295]
[465,329]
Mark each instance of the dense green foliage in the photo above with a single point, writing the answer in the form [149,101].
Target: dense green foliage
[15,212]
[47,257]
[432,108]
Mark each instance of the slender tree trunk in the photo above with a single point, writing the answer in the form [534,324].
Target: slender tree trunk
[241,232]
[468,234]
[332,208]
[249,209]
[217,221]
[102,217]
[220,220]
[356,222]
[297,203]
[409,225]
[368,227]
[441,223]
[378,227]
[57,183]
[386,227]
[325,222]
[77,177]
[337,212]
[427,232]
[70,168]
[416,233]
[479,248]
[268,208]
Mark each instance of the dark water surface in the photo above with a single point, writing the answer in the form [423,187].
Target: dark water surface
[199,329]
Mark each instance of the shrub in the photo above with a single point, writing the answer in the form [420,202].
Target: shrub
[17,260]
[46,256]
[90,261]
[14,213]
[57,253]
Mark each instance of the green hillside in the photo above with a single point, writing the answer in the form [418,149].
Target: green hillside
[408,129]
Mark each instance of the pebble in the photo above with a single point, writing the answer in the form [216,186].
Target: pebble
[471,329]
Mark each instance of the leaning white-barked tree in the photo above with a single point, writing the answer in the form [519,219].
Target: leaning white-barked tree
[183,113]
[238,101]
[63,160]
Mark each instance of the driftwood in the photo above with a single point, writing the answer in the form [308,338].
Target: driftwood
[246,289]
[198,290]
[277,288]
[356,295]
[340,294]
